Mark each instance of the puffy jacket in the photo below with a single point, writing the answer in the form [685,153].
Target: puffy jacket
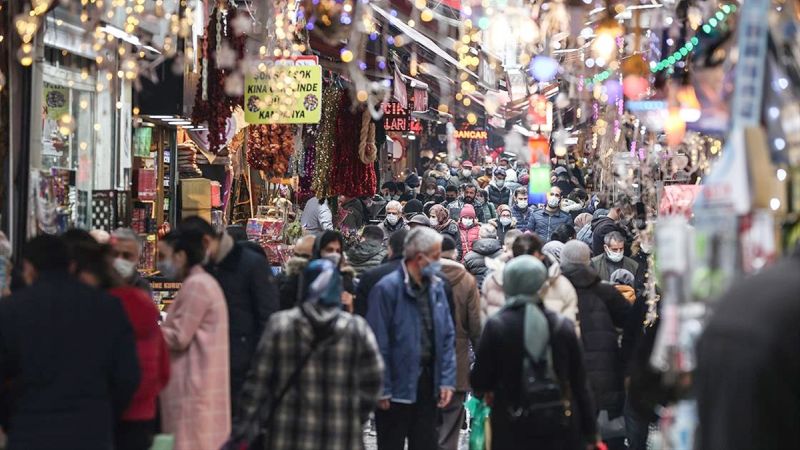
[502,229]
[486,211]
[585,234]
[366,255]
[492,296]
[601,310]
[543,223]
[475,260]
[468,236]
[601,226]
[150,348]
[559,295]
[394,316]
[499,196]
[466,317]
[521,216]
[252,295]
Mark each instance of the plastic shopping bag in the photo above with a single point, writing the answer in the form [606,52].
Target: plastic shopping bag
[481,435]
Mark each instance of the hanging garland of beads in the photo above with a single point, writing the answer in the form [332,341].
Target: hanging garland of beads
[213,106]
[310,133]
[269,148]
[350,175]
[331,97]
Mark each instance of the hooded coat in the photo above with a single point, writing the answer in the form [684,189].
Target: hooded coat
[602,310]
[475,260]
[366,255]
[559,295]
[468,235]
[466,317]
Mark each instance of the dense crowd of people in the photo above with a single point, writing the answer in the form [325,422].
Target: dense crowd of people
[458,287]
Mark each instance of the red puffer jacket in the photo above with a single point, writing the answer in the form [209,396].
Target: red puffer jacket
[151,349]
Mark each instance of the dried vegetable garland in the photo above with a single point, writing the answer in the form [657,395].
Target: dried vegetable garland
[269,148]
[350,176]
[331,99]
[367,150]
[213,105]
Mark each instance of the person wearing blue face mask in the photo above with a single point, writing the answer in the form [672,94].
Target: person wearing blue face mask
[410,315]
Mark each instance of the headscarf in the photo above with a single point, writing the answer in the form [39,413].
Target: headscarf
[522,278]
[582,220]
[322,284]
[442,215]
[553,248]
[323,240]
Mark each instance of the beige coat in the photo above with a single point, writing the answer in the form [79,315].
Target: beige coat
[467,304]
[196,405]
[558,293]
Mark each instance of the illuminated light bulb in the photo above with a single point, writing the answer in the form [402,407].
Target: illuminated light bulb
[443,109]
[472,118]
[635,87]
[420,4]
[467,101]
[544,68]
[426,15]
[605,40]
[674,127]
[346,56]
[781,174]
[690,105]
[775,204]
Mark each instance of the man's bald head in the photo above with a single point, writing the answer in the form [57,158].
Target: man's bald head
[304,246]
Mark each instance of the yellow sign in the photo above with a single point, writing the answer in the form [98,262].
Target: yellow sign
[472,134]
[266,101]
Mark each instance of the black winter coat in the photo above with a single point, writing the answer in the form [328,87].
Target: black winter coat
[498,369]
[498,196]
[368,280]
[452,231]
[68,365]
[748,365]
[475,261]
[252,296]
[601,311]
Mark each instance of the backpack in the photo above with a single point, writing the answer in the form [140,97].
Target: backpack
[543,410]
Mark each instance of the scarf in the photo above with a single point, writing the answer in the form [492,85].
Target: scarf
[536,329]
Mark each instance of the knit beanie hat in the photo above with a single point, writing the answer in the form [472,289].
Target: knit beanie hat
[523,275]
[468,211]
[554,249]
[576,252]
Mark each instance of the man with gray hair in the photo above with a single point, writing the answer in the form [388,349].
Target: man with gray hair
[127,247]
[614,257]
[411,318]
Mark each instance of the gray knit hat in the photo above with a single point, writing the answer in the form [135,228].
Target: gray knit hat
[576,252]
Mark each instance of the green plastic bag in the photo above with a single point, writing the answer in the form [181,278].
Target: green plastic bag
[163,442]
[480,435]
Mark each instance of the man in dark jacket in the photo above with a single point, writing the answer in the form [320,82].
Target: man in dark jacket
[602,310]
[250,292]
[368,253]
[602,225]
[488,246]
[520,209]
[371,277]
[499,193]
[748,368]
[67,357]
[357,214]
[613,258]
[543,222]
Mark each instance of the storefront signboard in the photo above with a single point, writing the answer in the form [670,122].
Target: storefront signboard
[56,100]
[265,92]
[395,117]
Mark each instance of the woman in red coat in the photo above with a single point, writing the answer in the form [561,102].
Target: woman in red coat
[469,228]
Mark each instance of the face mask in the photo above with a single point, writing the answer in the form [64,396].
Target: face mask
[434,221]
[505,221]
[522,204]
[453,172]
[553,202]
[499,183]
[432,269]
[124,267]
[614,256]
[647,249]
[467,173]
[430,191]
[167,269]
[392,219]
[335,258]
[467,222]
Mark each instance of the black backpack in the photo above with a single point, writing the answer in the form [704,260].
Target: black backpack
[543,408]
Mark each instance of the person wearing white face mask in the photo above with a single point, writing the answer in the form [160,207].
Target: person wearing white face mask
[520,210]
[499,193]
[614,257]
[505,221]
[127,249]
[394,220]
[469,228]
[543,222]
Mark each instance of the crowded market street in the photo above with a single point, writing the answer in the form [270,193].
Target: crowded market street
[399,224]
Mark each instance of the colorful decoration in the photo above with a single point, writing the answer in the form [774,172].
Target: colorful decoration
[331,97]
[269,148]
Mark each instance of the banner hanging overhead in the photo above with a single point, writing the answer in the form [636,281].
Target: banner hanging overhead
[266,95]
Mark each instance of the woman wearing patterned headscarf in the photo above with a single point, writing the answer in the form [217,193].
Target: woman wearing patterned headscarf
[441,222]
